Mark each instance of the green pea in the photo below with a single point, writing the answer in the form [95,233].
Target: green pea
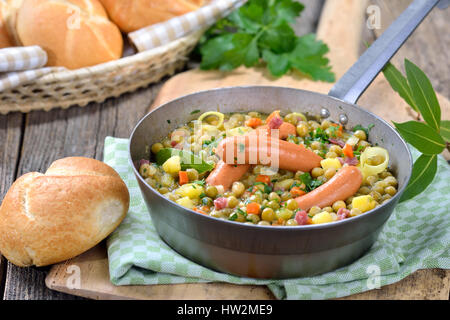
[192,174]
[284,213]
[232,202]
[211,191]
[291,204]
[274,196]
[238,188]
[273,205]
[268,214]
[207,201]
[157,147]
[286,196]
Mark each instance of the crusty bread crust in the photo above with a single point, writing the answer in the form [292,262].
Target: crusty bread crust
[5,38]
[132,15]
[52,217]
[74,33]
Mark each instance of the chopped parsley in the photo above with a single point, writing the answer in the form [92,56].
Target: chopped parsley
[199,182]
[267,188]
[317,135]
[333,130]
[309,182]
[195,111]
[357,152]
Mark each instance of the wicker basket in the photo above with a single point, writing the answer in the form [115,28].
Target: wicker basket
[95,84]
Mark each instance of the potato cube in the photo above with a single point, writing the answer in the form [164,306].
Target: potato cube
[283,185]
[330,163]
[191,190]
[363,203]
[322,217]
[172,165]
[186,202]
[239,131]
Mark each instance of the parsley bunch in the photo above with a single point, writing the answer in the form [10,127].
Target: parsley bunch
[260,31]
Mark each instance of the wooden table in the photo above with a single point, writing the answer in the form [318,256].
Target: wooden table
[30,142]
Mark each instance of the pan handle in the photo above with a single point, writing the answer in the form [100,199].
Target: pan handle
[355,81]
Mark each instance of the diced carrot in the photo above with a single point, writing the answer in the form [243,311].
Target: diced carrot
[205,208]
[183,177]
[348,151]
[253,122]
[280,221]
[263,178]
[296,192]
[309,221]
[199,211]
[253,208]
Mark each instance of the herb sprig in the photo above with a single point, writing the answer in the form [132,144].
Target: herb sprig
[309,182]
[429,137]
[260,31]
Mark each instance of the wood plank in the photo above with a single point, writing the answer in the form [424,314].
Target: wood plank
[10,140]
[432,284]
[428,284]
[428,46]
[95,283]
[73,132]
[309,17]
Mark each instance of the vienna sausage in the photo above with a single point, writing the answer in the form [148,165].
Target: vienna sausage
[344,184]
[225,174]
[264,150]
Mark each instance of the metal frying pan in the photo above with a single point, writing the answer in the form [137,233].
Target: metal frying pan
[281,252]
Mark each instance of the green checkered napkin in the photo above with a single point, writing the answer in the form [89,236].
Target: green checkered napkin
[416,236]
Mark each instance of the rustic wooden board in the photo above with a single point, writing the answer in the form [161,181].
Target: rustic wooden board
[429,284]
[95,283]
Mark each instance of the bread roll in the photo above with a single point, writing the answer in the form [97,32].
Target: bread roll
[48,218]
[74,33]
[5,40]
[11,18]
[132,15]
